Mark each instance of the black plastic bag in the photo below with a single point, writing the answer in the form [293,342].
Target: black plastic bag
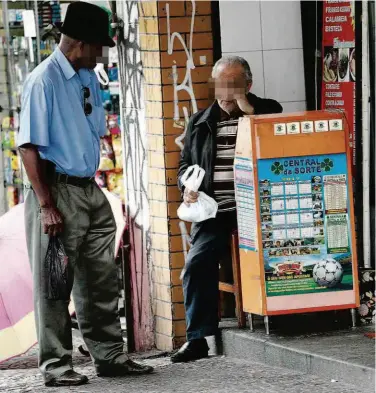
[58,278]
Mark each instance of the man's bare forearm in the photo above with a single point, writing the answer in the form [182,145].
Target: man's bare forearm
[36,172]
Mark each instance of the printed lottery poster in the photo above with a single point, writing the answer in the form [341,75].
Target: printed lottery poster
[245,189]
[245,203]
[339,75]
[305,224]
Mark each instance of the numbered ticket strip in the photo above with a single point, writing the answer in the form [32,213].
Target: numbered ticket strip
[246,208]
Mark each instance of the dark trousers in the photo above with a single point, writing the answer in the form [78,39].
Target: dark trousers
[210,244]
[88,238]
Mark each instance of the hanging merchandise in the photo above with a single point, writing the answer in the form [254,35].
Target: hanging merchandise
[14,162]
[106,100]
[17,58]
[113,56]
[48,13]
[118,151]
[110,172]
[101,179]
[9,140]
[119,190]
[107,155]
[115,183]
[15,18]
[113,122]
[7,122]
[111,181]
[115,104]
[113,74]
[12,197]
[12,168]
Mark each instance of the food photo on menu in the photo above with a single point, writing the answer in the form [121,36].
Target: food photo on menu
[339,65]
[352,64]
[330,71]
[343,65]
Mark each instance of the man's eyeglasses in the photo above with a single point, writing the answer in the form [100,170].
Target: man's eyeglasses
[87,106]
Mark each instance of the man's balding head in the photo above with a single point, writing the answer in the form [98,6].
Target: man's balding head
[235,64]
[232,78]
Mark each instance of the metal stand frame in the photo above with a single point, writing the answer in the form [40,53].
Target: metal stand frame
[250,321]
[353,312]
[266,323]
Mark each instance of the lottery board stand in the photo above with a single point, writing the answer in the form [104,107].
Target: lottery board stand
[294,196]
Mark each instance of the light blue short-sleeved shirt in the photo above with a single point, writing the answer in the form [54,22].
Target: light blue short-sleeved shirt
[53,118]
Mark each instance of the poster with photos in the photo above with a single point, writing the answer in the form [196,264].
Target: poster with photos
[338,63]
[305,224]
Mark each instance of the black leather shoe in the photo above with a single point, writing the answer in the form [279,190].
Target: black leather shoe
[68,378]
[127,368]
[190,351]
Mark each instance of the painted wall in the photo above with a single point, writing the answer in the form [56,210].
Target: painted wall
[268,34]
[178,63]
[136,170]
[166,57]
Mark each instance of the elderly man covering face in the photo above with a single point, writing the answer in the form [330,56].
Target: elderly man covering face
[210,143]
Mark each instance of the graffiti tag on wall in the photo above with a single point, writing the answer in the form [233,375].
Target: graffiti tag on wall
[136,165]
[185,85]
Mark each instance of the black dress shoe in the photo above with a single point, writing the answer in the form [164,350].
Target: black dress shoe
[68,378]
[122,369]
[190,351]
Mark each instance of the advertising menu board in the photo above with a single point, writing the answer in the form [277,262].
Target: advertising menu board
[295,206]
[304,210]
[338,74]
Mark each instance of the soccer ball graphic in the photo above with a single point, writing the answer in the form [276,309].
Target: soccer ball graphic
[328,273]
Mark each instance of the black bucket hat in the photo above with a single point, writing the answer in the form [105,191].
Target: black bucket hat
[88,23]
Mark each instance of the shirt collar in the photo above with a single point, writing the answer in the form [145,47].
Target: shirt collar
[85,76]
[64,64]
[233,116]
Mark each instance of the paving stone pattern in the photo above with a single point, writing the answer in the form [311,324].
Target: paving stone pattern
[213,375]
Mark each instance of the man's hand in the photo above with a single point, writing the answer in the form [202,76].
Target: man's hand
[190,197]
[244,105]
[52,221]
[51,218]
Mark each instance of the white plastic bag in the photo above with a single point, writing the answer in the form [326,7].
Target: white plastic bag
[205,207]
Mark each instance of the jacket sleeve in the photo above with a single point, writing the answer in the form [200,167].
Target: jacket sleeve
[268,106]
[185,157]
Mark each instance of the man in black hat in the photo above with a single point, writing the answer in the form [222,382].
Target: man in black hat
[62,121]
